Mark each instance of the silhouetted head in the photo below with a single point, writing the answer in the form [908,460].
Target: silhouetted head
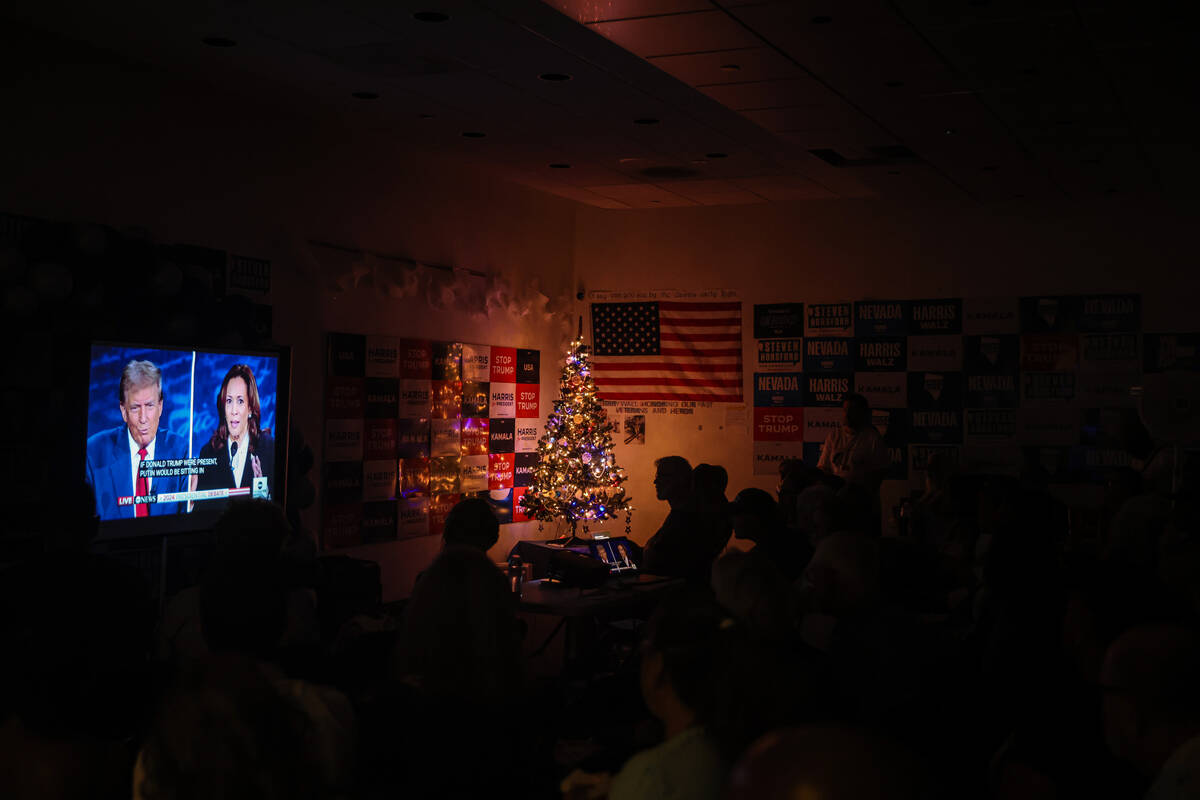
[471,523]
[856,411]
[672,479]
[755,514]
[709,482]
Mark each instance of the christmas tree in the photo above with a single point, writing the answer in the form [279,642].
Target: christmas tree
[576,477]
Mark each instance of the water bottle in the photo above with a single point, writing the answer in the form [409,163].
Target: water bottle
[516,573]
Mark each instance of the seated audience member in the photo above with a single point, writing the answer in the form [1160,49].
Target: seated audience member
[816,509]
[76,631]
[1152,706]
[471,523]
[935,523]
[245,602]
[709,502]
[752,590]
[794,477]
[681,547]
[756,519]
[231,731]
[826,762]
[459,672]
[688,681]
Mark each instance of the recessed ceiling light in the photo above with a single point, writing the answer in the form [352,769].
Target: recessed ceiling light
[474,134]
[645,121]
[430,16]
[218,41]
[555,76]
[560,166]
[949,131]
[365,95]
[893,84]
[821,20]
[716,155]
[731,67]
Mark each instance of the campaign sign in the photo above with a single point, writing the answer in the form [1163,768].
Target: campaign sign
[503,400]
[882,354]
[447,361]
[881,318]
[1047,388]
[1097,464]
[343,482]
[1102,313]
[474,473]
[445,399]
[500,470]
[992,355]
[347,355]
[379,439]
[936,426]
[992,391]
[1171,351]
[882,389]
[993,459]
[768,455]
[1057,314]
[1049,352]
[919,456]
[475,399]
[935,353]
[821,389]
[991,315]
[502,435]
[379,480]
[778,320]
[1101,427]
[780,353]
[476,363]
[527,436]
[527,400]
[412,517]
[341,525]
[445,475]
[439,509]
[412,438]
[379,522]
[991,424]
[1109,352]
[778,389]
[524,466]
[383,357]
[829,319]
[382,399]
[344,398]
[528,366]
[416,398]
[343,440]
[828,354]
[1108,389]
[416,359]
[892,423]
[445,437]
[778,424]
[935,316]
[474,436]
[414,477]
[504,365]
[820,422]
[935,390]
[519,514]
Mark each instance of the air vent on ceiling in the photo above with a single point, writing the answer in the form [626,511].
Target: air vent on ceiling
[885,155]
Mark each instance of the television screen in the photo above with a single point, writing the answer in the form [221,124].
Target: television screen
[173,435]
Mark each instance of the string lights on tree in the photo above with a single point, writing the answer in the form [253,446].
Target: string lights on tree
[576,478]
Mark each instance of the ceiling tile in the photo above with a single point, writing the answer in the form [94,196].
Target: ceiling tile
[705,69]
[781,188]
[770,94]
[643,195]
[598,10]
[698,32]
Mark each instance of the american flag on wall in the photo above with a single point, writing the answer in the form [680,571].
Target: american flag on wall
[668,350]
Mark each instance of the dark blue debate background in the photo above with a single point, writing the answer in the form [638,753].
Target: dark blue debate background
[176,366]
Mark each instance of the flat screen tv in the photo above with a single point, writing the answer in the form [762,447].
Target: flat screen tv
[176,434]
